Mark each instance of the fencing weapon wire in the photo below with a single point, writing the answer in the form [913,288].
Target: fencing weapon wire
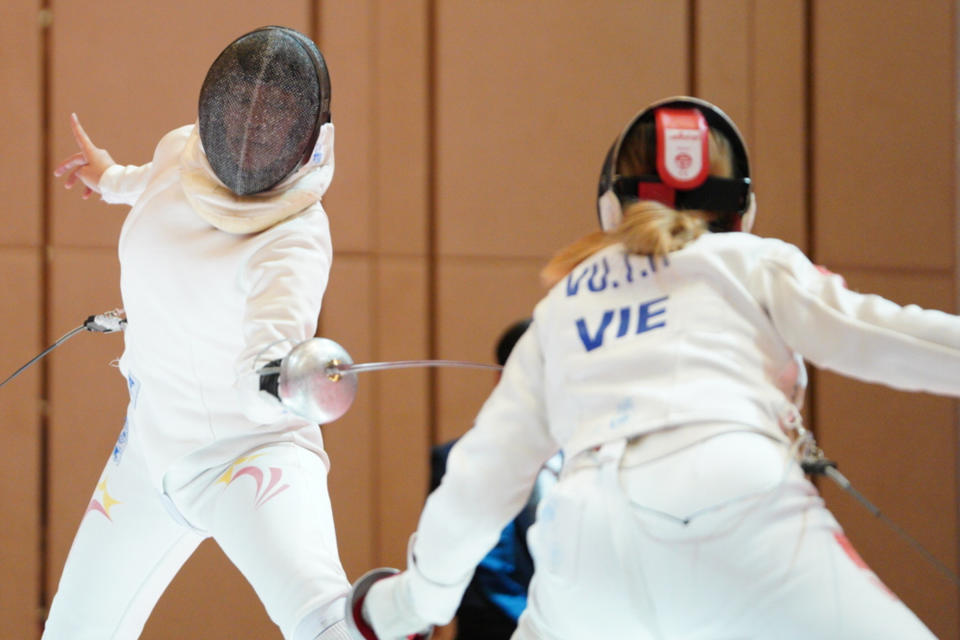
[107,322]
[815,463]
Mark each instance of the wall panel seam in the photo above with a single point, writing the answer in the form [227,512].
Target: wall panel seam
[956,258]
[433,239]
[692,47]
[46,96]
[373,229]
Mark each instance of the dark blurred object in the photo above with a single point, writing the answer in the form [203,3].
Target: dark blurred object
[509,338]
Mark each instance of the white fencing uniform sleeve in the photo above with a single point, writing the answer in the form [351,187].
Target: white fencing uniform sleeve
[489,476]
[863,336]
[285,280]
[124,184]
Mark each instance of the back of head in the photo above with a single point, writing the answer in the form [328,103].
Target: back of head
[683,153]
[679,167]
[261,107]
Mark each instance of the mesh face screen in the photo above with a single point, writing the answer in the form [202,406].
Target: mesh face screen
[259,110]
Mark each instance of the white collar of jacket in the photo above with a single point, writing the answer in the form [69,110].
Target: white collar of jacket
[229,212]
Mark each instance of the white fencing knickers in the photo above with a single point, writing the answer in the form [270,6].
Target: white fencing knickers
[268,510]
[723,540]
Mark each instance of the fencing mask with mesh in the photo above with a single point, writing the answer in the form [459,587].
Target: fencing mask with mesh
[261,107]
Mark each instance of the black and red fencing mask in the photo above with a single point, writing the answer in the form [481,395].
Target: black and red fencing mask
[681,179]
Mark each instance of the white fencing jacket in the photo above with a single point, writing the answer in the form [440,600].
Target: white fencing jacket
[205,308]
[629,345]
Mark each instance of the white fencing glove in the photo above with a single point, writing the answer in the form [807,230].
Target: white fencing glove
[388,609]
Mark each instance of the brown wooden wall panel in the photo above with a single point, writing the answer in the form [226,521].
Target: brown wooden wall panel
[477,300]
[527,102]
[88,396]
[377,54]
[884,141]
[751,62]
[899,449]
[347,41]
[724,62]
[402,180]
[348,318]
[209,600]
[403,405]
[20,440]
[20,127]
[135,80]
[778,149]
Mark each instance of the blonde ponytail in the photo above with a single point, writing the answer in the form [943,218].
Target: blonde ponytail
[647,228]
[651,228]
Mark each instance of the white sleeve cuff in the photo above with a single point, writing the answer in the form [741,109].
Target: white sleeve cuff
[435,601]
[123,184]
[387,608]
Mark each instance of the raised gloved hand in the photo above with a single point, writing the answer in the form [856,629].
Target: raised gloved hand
[380,608]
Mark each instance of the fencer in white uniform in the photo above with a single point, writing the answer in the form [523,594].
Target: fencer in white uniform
[665,362]
[221,273]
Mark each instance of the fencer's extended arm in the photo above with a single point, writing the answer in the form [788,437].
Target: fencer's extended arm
[381,594]
[124,184]
[285,278]
[489,476]
[863,336]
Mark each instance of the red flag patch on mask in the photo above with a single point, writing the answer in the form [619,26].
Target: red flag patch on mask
[683,152]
